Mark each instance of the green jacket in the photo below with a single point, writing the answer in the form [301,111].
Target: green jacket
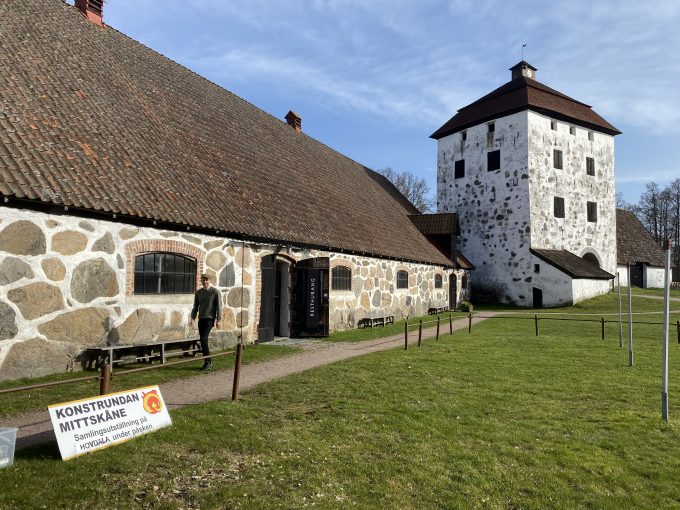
[207,304]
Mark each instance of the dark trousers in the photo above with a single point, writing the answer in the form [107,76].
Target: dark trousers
[204,327]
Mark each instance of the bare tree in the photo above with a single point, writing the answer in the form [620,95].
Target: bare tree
[621,203]
[415,189]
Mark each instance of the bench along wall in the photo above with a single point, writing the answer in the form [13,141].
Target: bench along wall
[67,283]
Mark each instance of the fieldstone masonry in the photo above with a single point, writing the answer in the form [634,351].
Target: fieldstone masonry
[67,284]
[503,213]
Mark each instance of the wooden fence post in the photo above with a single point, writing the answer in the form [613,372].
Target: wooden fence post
[536,324]
[469,323]
[677,325]
[237,371]
[602,328]
[450,325]
[105,379]
[406,335]
[437,338]
[420,331]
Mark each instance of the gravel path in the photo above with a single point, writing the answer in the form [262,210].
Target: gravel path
[35,427]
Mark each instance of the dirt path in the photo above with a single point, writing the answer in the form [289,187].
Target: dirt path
[35,427]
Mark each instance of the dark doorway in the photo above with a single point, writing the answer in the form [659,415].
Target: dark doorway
[538,298]
[636,275]
[265,328]
[589,257]
[453,294]
[310,290]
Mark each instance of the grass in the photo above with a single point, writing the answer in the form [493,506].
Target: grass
[495,419]
[13,403]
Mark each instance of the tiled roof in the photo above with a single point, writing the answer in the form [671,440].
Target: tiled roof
[572,264]
[525,94]
[634,243]
[93,119]
[463,263]
[437,224]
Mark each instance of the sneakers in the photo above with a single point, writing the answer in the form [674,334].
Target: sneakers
[207,365]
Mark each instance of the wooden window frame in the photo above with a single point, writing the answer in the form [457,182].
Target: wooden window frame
[341,282]
[558,159]
[459,169]
[558,207]
[590,166]
[402,279]
[493,160]
[157,274]
[591,211]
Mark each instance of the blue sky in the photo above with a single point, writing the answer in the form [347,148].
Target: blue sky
[374,78]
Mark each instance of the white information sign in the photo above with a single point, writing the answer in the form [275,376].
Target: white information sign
[91,424]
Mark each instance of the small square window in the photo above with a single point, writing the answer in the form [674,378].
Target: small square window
[463,136]
[558,207]
[537,268]
[459,169]
[591,136]
[590,166]
[572,130]
[557,158]
[493,160]
[592,211]
[492,127]
[553,125]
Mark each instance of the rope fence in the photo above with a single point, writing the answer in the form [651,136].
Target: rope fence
[535,318]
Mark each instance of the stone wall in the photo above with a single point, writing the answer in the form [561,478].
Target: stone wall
[67,283]
[573,232]
[492,207]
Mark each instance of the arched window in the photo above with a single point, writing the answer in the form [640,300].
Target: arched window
[341,278]
[164,273]
[402,279]
[437,281]
[464,282]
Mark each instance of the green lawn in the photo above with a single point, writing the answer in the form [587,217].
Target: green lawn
[13,403]
[494,419]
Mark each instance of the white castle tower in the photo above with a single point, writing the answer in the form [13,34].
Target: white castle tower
[530,173]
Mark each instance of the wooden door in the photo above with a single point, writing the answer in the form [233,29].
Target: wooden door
[265,328]
[310,298]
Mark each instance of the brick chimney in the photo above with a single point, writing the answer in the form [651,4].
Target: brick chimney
[294,121]
[92,10]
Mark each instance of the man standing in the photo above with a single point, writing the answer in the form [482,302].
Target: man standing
[208,307]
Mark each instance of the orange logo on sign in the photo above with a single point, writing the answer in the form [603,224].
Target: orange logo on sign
[152,402]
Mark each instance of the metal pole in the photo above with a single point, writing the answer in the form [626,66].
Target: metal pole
[630,321]
[536,324]
[437,338]
[105,379]
[618,288]
[666,319]
[469,323]
[450,325]
[406,335]
[420,332]
[602,328]
[237,371]
[677,325]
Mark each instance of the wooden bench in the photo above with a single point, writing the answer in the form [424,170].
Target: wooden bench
[370,322]
[437,309]
[146,352]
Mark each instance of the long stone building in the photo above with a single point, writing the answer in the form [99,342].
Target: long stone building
[529,172]
[124,176]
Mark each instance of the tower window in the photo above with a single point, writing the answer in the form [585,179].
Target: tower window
[463,136]
[438,281]
[557,159]
[592,211]
[493,160]
[492,127]
[553,125]
[537,268]
[572,130]
[558,207]
[459,169]
[590,166]
[591,136]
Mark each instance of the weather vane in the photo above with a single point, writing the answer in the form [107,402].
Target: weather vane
[524,45]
